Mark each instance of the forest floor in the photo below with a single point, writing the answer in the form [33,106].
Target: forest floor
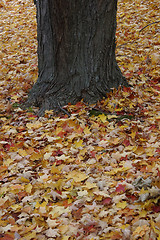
[95,174]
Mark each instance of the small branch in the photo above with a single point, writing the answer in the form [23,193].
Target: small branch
[149,25]
[125,44]
[119,55]
[139,31]
[63,110]
[95,109]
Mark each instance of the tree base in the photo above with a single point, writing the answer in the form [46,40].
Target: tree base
[45,96]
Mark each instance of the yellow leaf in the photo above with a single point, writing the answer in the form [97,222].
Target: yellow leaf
[2,106]
[3,190]
[47,155]
[55,170]
[133,134]
[15,97]
[58,210]
[131,66]
[89,185]
[123,127]
[118,109]
[28,188]
[37,205]
[58,130]
[111,116]
[83,151]
[87,130]
[124,226]
[3,200]
[52,223]
[82,193]
[150,152]
[22,153]
[140,231]
[143,191]
[155,58]
[59,184]
[25,180]
[49,112]
[16,228]
[78,143]
[36,156]
[3,119]
[28,229]
[116,170]
[17,186]
[16,207]
[8,162]
[30,236]
[139,151]
[77,176]
[115,141]
[143,213]
[51,139]
[34,125]
[102,117]
[130,148]
[65,237]
[122,204]
[43,204]
[63,229]
[155,229]
[140,101]
[150,201]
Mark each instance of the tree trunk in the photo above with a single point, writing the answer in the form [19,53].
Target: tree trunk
[76,52]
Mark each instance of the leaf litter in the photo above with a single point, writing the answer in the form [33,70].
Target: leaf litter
[95,174]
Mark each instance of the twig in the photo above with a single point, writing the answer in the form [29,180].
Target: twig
[120,55]
[63,110]
[148,25]
[95,109]
[125,44]
[139,31]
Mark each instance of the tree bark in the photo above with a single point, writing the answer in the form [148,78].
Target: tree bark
[76,52]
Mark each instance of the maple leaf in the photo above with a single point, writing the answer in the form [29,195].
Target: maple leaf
[77,176]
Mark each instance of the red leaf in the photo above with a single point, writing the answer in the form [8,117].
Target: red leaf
[88,229]
[59,162]
[157,87]
[132,197]
[120,188]
[106,201]
[93,154]
[58,153]
[7,237]
[126,143]
[127,89]
[156,209]
[59,192]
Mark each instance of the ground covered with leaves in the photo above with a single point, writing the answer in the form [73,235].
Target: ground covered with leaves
[96,173]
